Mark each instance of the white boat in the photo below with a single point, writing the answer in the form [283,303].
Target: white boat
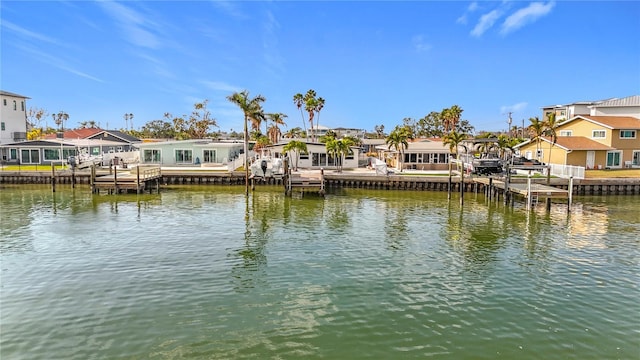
[267,166]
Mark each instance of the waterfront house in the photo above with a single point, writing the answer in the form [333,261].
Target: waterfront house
[117,141]
[316,156]
[196,152]
[590,141]
[421,154]
[13,119]
[37,152]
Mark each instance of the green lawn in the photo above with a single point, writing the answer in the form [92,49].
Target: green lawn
[14,168]
[614,173]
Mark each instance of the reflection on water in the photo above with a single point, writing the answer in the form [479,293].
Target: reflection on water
[205,273]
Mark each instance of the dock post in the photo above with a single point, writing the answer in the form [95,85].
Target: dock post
[570,193]
[53,177]
[92,179]
[529,191]
[462,186]
[449,188]
[115,179]
[138,179]
[322,182]
[506,186]
[490,188]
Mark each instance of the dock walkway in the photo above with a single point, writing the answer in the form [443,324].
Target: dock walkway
[138,179]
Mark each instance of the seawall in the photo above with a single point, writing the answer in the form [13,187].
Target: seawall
[600,186]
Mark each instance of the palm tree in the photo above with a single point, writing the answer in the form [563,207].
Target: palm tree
[298,100]
[550,130]
[276,119]
[455,112]
[536,130]
[294,133]
[251,108]
[338,149]
[297,147]
[399,140]
[454,139]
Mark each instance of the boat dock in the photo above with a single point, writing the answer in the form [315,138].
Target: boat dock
[303,182]
[531,191]
[138,179]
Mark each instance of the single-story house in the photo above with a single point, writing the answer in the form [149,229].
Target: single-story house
[190,152]
[316,156]
[37,152]
[421,154]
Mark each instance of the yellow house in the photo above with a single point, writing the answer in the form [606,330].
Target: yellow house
[590,141]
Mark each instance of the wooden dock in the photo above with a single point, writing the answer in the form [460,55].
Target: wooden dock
[304,183]
[138,179]
[531,191]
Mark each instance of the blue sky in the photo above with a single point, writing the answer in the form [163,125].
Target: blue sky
[374,62]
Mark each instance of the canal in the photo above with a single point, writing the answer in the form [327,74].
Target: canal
[206,273]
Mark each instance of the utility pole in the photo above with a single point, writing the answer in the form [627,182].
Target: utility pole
[509,122]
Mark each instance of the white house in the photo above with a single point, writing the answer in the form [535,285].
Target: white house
[421,154]
[316,156]
[628,106]
[13,117]
[200,152]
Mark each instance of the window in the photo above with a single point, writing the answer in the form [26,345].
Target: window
[22,105]
[209,156]
[318,159]
[13,154]
[598,134]
[566,132]
[15,106]
[151,156]
[95,150]
[627,134]
[51,154]
[29,156]
[304,156]
[5,102]
[613,159]
[2,127]
[636,158]
[184,156]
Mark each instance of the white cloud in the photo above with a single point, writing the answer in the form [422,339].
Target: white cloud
[420,44]
[221,86]
[513,108]
[526,16]
[471,8]
[137,29]
[28,33]
[486,22]
[57,62]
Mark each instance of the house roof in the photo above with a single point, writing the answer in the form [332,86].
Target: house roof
[119,134]
[76,133]
[37,143]
[7,93]
[610,122]
[435,145]
[578,143]
[571,143]
[619,102]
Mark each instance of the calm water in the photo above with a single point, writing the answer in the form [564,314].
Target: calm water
[204,273]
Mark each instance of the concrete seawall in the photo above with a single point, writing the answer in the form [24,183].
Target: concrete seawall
[601,186]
